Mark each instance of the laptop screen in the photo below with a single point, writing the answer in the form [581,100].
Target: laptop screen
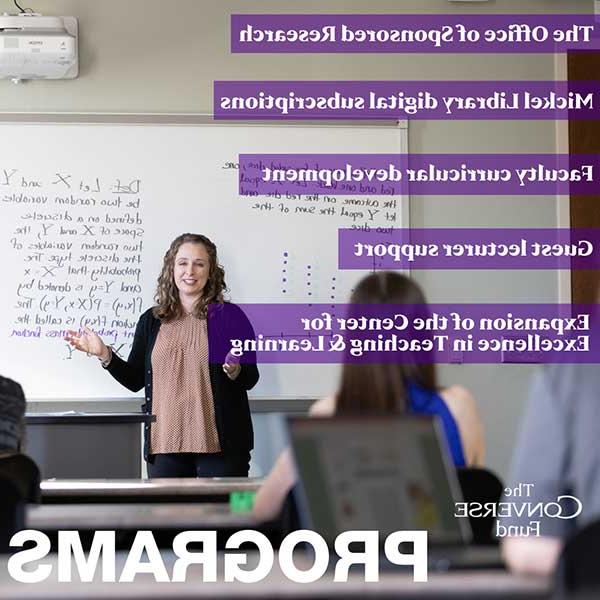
[375,473]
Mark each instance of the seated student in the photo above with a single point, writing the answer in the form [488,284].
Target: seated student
[14,466]
[387,388]
[556,454]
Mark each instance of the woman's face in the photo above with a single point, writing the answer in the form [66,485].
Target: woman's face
[191,269]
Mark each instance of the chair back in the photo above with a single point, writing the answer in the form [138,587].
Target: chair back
[483,486]
[24,473]
[12,513]
[579,573]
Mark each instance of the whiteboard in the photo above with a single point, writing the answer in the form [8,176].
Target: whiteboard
[88,211]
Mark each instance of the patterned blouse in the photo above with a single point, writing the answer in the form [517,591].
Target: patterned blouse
[182,394]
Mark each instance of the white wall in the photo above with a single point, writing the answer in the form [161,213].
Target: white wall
[162,56]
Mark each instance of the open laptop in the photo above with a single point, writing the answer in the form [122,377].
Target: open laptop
[385,473]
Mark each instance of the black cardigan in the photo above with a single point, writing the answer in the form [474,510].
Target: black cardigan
[232,413]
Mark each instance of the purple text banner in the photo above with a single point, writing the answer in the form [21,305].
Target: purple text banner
[408,333]
[447,100]
[411,33]
[450,248]
[420,174]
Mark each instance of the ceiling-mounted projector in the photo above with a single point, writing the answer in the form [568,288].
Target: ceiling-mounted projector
[33,46]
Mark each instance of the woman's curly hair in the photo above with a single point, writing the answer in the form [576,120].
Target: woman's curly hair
[168,306]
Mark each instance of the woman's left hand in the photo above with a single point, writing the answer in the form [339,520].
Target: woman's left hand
[232,366]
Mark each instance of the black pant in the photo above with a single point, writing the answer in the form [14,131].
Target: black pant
[186,464]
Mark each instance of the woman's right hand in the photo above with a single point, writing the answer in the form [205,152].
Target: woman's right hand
[87,341]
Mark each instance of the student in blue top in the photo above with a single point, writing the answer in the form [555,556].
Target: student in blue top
[388,388]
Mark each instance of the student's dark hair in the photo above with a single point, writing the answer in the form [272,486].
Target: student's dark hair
[168,305]
[383,388]
[12,416]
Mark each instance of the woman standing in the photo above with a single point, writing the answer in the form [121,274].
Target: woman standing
[199,397]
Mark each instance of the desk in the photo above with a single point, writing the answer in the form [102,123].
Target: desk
[215,489]
[130,517]
[86,444]
[164,520]
[457,585]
